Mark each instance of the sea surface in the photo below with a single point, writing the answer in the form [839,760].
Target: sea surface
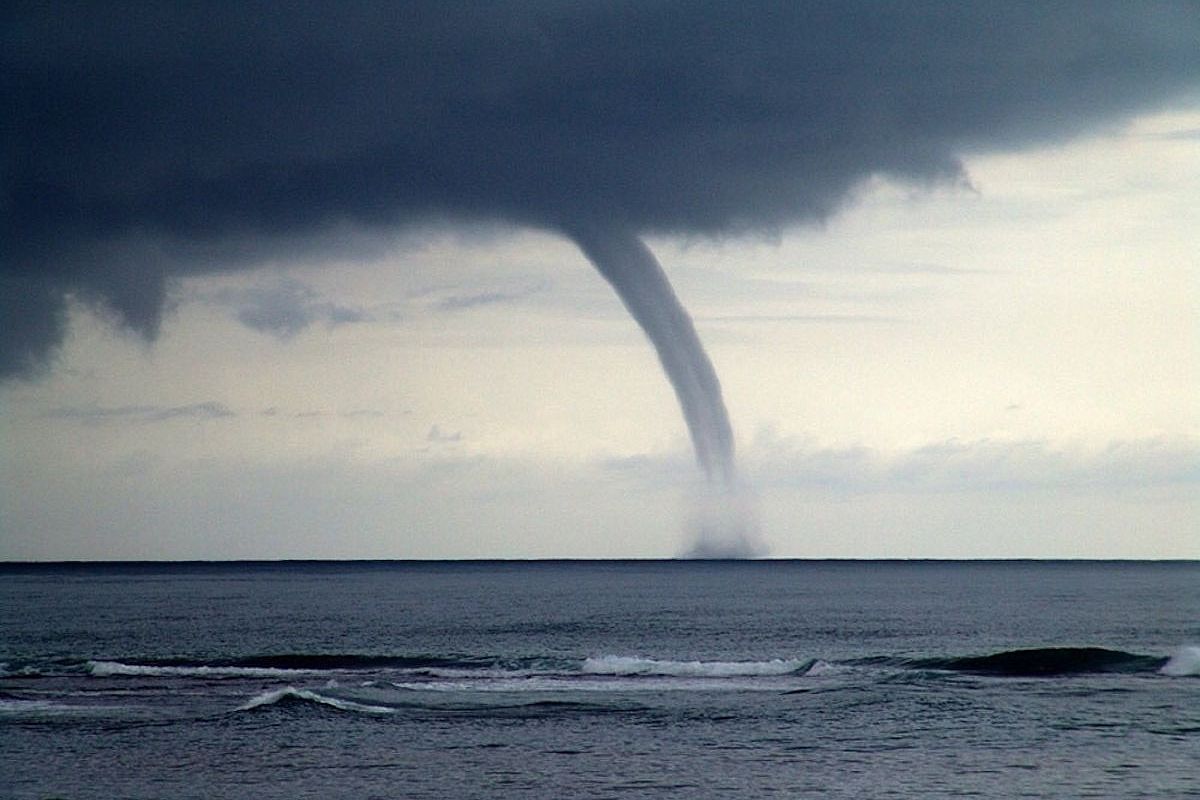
[600,680]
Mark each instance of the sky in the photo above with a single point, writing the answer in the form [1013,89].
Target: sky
[313,287]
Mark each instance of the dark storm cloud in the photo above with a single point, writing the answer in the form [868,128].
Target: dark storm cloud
[145,141]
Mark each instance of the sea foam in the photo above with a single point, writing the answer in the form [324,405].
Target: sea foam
[291,693]
[103,669]
[1185,662]
[635,665]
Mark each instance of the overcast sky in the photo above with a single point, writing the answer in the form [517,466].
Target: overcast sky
[304,287]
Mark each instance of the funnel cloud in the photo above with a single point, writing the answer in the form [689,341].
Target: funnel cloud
[629,266]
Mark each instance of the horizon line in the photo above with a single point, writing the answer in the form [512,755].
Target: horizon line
[4,563]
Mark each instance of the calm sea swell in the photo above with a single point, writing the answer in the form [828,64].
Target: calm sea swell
[606,680]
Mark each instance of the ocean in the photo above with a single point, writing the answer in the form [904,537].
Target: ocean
[601,679]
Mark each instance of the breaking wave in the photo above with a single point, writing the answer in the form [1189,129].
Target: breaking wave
[463,671]
[284,666]
[634,665]
[379,704]
[342,661]
[444,667]
[290,695]
[1185,663]
[104,669]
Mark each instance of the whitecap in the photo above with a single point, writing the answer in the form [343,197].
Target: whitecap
[636,665]
[18,707]
[821,667]
[290,692]
[14,706]
[1185,662]
[106,669]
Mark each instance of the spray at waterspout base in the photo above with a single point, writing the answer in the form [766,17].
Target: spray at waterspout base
[722,523]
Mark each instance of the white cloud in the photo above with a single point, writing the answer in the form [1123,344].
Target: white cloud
[982,466]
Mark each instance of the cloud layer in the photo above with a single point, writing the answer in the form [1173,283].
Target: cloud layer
[142,143]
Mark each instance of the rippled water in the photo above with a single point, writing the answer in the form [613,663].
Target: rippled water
[600,679]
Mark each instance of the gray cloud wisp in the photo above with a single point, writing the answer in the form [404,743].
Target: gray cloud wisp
[101,414]
[284,308]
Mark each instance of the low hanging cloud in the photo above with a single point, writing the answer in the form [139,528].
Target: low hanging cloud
[780,463]
[95,415]
[143,143]
[466,301]
[977,465]
[284,308]
[438,436]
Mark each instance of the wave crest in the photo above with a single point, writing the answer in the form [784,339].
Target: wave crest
[291,694]
[1047,662]
[635,665]
[280,666]
[105,669]
[1185,662]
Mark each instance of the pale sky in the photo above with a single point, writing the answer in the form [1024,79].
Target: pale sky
[1002,365]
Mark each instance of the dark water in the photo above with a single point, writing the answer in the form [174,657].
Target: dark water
[600,679]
